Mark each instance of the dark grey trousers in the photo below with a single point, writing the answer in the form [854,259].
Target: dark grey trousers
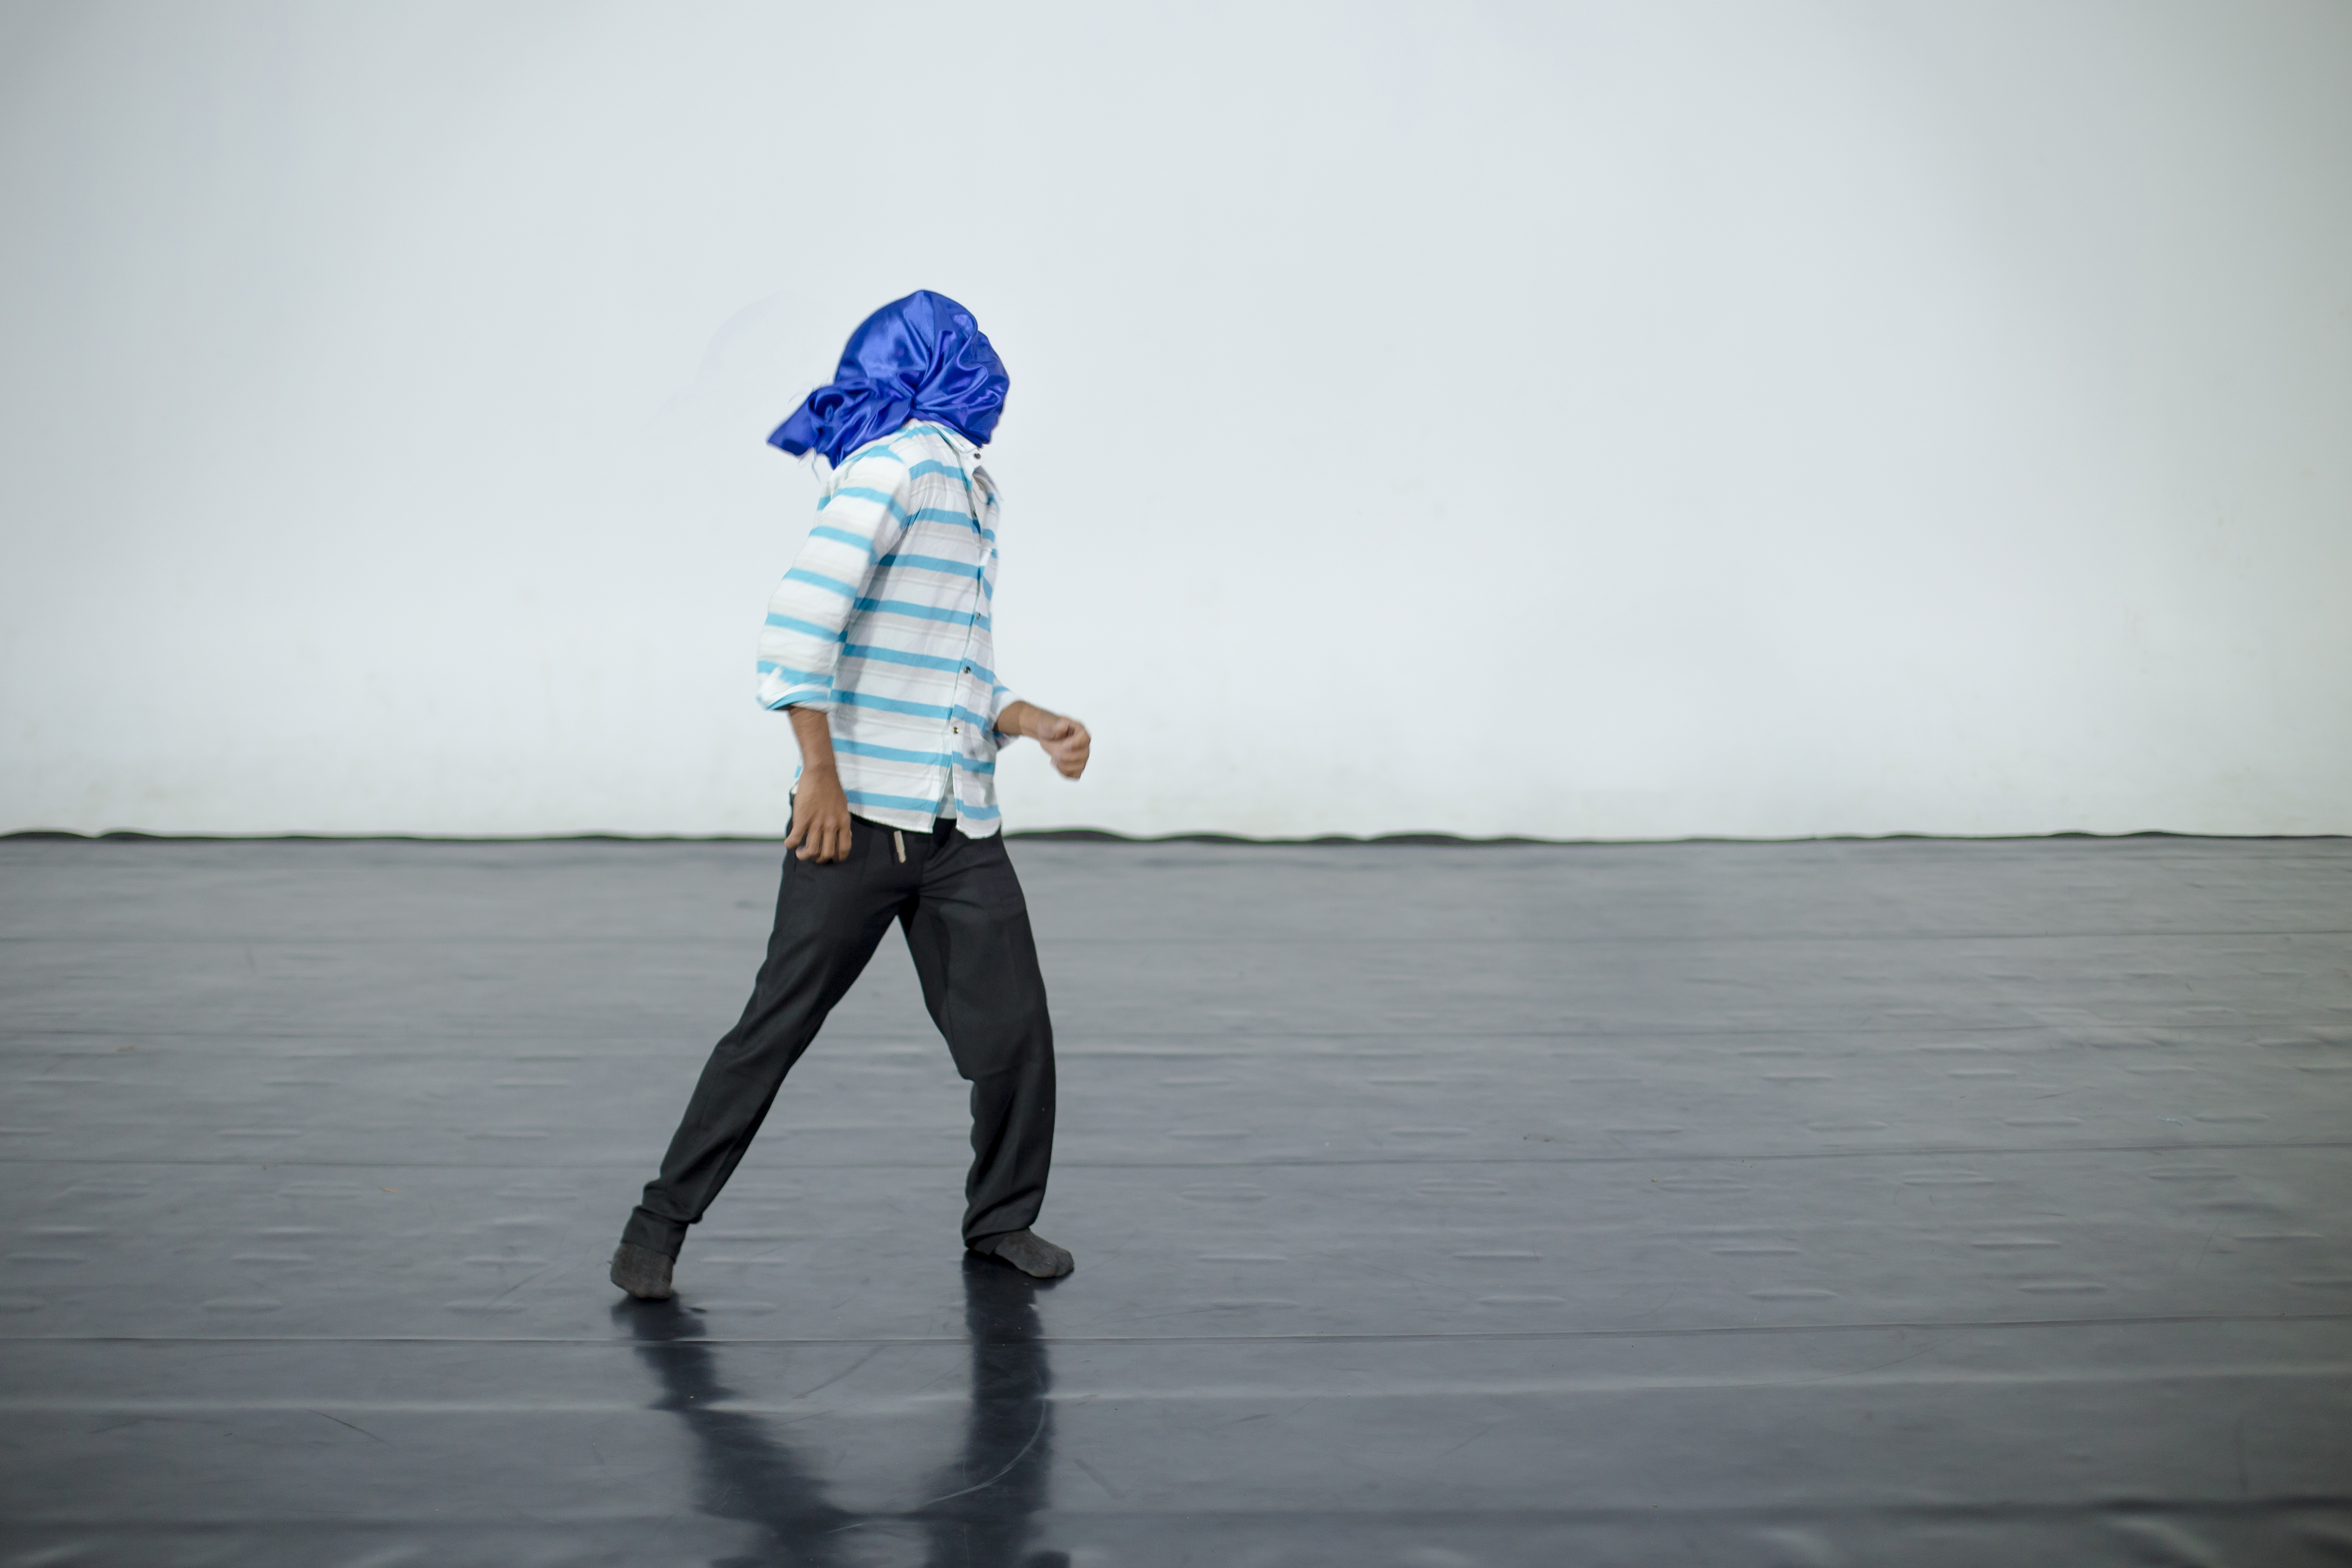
[968,927]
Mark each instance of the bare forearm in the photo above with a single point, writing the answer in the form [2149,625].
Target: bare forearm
[811,729]
[1020,718]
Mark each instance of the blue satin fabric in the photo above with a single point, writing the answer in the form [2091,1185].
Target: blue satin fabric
[923,357]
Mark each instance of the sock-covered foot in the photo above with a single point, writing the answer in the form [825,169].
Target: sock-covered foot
[1030,1253]
[642,1273]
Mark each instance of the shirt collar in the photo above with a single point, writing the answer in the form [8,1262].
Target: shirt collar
[955,438]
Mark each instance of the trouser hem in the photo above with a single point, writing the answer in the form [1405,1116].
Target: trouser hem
[654,1234]
[1001,1225]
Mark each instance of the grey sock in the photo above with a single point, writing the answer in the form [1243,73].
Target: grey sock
[642,1273]
[1029,1252]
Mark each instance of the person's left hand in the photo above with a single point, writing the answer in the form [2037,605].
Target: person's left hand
[1066,741]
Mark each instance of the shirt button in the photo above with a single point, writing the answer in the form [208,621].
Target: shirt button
[967,669]
[955,729]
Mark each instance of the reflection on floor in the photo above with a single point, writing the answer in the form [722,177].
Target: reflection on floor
[1804,1203]
[748,1469]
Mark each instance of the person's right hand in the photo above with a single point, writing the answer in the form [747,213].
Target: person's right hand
[819,818]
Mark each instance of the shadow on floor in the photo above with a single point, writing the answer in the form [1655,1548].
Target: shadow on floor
[984,1504]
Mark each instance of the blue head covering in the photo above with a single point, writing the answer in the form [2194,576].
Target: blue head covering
[923,357]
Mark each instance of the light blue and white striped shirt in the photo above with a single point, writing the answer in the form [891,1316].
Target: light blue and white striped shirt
[883,625]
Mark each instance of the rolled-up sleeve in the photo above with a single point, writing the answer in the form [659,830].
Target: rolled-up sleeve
[858,524]
[1000,697]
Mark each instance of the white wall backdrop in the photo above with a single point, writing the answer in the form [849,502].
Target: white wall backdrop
[1581,420]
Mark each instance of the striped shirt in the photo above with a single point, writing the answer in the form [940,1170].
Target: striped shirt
[883,625]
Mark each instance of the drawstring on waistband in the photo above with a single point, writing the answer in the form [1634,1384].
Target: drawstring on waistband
[899,839]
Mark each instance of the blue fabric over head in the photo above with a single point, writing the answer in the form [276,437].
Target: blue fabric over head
[923,357]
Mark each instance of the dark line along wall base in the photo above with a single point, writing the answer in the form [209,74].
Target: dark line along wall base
[1106,836]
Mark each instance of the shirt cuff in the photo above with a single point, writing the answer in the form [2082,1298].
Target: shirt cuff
[778,694]
[999,699]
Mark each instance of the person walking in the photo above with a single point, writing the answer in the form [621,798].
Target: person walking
[877,645]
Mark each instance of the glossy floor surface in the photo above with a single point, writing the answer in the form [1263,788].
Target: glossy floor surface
[1803,1205]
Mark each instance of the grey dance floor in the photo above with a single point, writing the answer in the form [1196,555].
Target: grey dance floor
[1909,1203]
